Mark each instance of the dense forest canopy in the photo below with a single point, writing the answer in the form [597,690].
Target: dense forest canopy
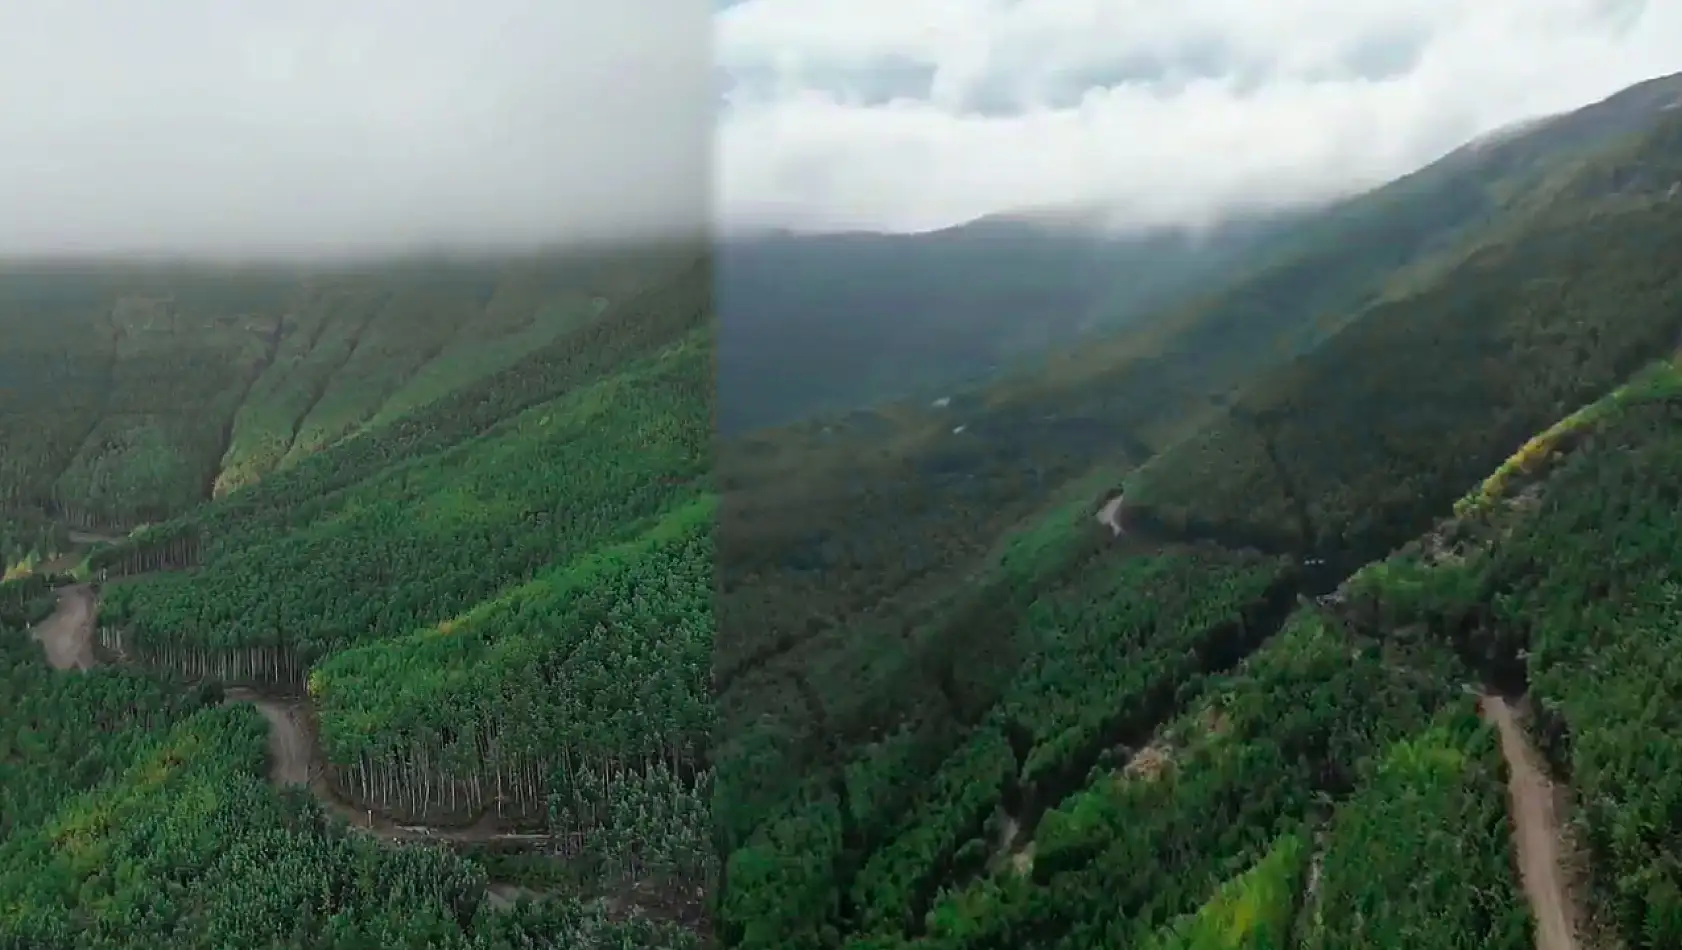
[128,395]
[406,643]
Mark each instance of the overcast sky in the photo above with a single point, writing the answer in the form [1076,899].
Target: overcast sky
[240,126]
[911,114]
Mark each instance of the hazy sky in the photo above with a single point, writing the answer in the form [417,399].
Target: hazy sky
[234,126]
[909,114]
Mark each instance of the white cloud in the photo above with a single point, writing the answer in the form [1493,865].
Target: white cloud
[1156,111]
[245,126]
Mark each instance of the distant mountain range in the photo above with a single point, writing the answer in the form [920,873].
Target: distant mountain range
[830,321]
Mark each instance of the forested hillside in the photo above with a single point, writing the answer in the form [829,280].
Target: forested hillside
[435,678]
[130,394]
[1074,660]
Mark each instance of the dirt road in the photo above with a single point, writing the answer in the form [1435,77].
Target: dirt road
[67,639]
[1110,515]
[1535,831]
[289,740]
[67,636]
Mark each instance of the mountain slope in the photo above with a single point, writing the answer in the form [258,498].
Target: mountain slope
[1515,335]
[486,621]
[873,516]
[830,323]
[1556,577]
[958,712]
[128,394]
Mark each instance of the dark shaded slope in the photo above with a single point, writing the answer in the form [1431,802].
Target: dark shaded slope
[129,393]
[1329,267]
[1452,378]
[812,323]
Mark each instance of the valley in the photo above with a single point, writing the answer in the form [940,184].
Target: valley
[1213,633]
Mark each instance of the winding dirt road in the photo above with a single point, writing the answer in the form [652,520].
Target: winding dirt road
[67,639]
[290,756]
[1535,831]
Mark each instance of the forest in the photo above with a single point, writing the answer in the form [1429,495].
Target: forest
[1564,579]
[476,589]
[128,394]
[133,813]
[959,711]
